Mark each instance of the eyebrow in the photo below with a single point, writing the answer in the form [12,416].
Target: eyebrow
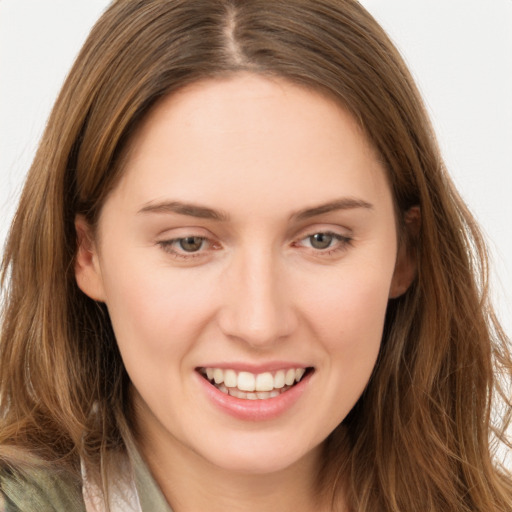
[192,210]
[203,212]
[345,203]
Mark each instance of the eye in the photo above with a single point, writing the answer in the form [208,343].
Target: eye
[324,243]
[187,246]
[190,243]
[321,240]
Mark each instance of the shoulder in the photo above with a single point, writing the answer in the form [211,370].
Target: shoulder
[25,490]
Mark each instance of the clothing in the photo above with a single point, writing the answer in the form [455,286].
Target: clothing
[42,491]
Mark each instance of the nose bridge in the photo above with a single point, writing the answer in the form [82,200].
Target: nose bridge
[257,308]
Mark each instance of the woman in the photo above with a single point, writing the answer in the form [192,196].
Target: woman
[239,277]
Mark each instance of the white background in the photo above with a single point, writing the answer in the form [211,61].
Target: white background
[460,52]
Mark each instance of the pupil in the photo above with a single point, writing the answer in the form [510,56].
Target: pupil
[191,243]
[321,240]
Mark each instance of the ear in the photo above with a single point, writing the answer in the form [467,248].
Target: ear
[87,268]
[406,261]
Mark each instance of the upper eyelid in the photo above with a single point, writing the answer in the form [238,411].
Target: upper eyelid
[173,233]
[304,232]
[313,230]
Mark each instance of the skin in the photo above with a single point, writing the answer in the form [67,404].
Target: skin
[256,292]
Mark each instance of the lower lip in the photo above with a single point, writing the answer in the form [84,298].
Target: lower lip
[255,410]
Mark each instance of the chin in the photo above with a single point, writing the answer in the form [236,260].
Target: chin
[260,457]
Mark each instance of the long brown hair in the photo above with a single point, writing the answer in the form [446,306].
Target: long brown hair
[423,435]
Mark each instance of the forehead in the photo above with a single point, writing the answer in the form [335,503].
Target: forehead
[229,139]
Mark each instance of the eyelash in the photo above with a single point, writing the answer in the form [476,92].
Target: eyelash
[343,243]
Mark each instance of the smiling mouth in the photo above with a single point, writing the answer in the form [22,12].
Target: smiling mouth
[254,386]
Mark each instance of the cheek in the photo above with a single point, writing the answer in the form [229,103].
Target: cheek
[153,310]
[355,302]
[348,318]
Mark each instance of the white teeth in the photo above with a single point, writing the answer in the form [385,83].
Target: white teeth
[258,395]
[236,393]
[252,386]
[290,377]
[246,381]
[278,379]
[230,378]
[218,375]
[299,373]
[264,382]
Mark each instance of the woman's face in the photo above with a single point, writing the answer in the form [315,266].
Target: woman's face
[251,241]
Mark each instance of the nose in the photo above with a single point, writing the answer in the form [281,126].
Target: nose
[257,305]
